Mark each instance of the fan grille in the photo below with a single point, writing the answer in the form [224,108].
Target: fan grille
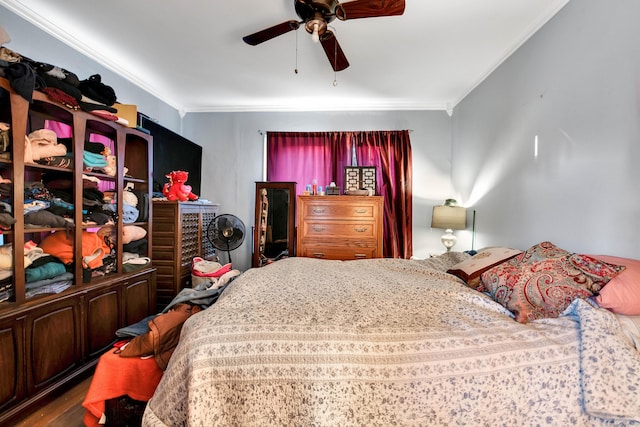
[226,232]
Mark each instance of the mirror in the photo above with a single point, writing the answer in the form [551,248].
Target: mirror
[273,234]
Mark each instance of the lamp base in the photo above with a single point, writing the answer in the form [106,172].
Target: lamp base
[448,239]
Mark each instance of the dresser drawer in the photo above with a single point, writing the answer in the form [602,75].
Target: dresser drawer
[336,229]
[326,251]
[320,209]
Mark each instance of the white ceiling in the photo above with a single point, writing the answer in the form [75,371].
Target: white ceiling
[191,55]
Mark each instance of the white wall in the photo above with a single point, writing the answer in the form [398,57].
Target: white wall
[232,145]
[574,85]
[28,40]
[233,159]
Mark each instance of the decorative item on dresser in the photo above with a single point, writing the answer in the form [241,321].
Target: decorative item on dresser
[57,317]
[340,227]
[179,235]
[360,178]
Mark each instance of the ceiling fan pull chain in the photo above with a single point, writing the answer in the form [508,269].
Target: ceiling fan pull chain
[296,69]
[335,60]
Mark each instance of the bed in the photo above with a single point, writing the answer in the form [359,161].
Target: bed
[384,342]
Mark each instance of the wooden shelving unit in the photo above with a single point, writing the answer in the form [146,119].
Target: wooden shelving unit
[48,340]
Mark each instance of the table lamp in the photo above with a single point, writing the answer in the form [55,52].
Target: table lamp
[450,217]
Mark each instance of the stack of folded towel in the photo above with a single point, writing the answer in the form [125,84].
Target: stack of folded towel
[42,143]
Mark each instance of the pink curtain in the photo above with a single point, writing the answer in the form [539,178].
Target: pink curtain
[302,157]
[390,152]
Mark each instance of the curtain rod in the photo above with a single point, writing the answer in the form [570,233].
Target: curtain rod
[263,132]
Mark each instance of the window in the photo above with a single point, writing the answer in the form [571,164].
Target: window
[304,156]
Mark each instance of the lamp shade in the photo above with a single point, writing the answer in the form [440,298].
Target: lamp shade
[449,217]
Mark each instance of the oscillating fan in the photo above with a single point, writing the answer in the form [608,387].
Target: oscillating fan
[226,232]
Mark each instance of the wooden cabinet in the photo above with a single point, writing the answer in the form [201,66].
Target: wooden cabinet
[339,227]
[179,234]
[50,337]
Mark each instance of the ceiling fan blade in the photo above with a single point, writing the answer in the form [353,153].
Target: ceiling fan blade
[271,32]
[333,50]
[369,9]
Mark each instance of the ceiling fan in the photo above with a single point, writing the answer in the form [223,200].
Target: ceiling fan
[316,14]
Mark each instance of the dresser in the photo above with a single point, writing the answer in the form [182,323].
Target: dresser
[179,234]
[339,227]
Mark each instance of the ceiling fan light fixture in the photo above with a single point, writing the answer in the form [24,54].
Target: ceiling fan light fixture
[316,27]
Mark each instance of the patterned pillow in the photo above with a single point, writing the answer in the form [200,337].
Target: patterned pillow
[539,252]
[471,269]
[542,281]
[542,251]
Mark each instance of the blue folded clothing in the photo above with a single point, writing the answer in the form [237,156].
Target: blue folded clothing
[129,213]
[44,271]
[94,160]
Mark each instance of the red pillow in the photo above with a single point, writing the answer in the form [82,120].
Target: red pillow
[622,294]
[544,280]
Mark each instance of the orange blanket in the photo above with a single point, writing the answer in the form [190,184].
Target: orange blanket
[117,376]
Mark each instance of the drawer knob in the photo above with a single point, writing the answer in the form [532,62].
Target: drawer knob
[361,211]
[318,254]
[360,229]
[359,256]
[318,210]
[318,228]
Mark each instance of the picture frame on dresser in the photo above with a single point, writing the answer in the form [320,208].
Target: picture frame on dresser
[360,178]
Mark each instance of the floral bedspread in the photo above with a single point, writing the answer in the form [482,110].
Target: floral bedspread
[385,342]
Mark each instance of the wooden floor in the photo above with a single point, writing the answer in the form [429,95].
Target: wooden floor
[65,411]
